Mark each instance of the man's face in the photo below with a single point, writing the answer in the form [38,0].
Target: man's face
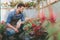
[21,9]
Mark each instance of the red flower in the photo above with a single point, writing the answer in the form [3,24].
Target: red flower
[52,19]
[42,19]
[33,25]
[37,28]
[52,15]
[42,16]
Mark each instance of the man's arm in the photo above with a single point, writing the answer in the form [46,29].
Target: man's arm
[18,24]
[21,21]
[10,26]
[8,22]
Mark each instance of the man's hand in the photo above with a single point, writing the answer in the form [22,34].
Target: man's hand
[16,30]
[27,18]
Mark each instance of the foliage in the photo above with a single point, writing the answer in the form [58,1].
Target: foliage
[2,28]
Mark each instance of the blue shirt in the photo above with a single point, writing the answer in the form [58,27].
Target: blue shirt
[12,13]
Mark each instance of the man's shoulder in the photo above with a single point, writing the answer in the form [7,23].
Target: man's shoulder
[12,12]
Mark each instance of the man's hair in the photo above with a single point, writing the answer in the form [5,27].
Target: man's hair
[20,5]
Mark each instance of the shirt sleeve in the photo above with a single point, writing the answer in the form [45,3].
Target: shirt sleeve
[9,18]
[22,18]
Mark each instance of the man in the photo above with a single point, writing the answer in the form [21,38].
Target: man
[13,18]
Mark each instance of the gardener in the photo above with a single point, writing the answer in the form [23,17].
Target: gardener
[13,18]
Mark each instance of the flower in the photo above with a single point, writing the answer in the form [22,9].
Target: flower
[41,16]
[52,16]
[33,25]
[37,28]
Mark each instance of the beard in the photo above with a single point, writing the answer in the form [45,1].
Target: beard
[20,12]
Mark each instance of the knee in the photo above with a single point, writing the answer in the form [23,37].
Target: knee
[10,32]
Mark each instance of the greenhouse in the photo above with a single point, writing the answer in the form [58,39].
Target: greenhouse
[30,20]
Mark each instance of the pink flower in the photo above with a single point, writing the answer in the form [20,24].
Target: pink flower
[42,16]
[52,16]
[2,22]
